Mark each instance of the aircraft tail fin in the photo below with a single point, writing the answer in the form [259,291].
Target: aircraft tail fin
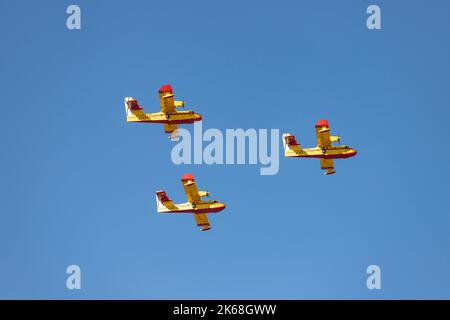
[291,146]
[289,141]
[163,201]
[127,108]
[131,106]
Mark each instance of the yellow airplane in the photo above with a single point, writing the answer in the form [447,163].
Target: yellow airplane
[169,115]
[325,151]
[195,204]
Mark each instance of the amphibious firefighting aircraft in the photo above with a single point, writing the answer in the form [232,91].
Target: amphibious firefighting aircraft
[195,205]
[169,115]
[324,150]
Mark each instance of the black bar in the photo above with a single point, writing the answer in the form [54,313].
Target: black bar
[230,309]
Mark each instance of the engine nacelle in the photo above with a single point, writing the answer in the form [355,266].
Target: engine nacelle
[203,194]
[335,139]
[179,104]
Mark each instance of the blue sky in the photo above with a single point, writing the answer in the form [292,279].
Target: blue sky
[78,182]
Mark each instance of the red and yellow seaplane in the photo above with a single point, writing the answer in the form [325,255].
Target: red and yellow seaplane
[169,115]
[195,205]
[324,150]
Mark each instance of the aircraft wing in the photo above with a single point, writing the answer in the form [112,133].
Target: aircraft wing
[192,194]
[326,163]
[169,128]
[323,134]
[323,138]
[167,103]
[202,221]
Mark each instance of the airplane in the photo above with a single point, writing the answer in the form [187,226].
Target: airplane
[169,115]
[324,150]
[195,205]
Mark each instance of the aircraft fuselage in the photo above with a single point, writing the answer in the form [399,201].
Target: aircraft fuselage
[170,118]
[201,207]
[335,152]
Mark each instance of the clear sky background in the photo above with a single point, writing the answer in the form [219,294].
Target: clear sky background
[78,182]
